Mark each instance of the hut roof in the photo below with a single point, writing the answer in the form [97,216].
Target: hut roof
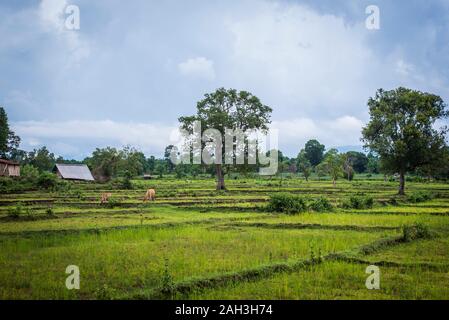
[74,172]
[9,162]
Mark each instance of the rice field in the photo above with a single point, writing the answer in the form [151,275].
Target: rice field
[197,243]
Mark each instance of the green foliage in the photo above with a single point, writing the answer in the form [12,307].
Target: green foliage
[9,142]
[286,203]
[167,279]
[18,211]
[332,165]
[112,203]
[358,161]
[314,152]
[416,231]
[49,212]
[4,130]
[104,163]
[304,165]
[105,292]
[401,130]
[420,196]
[126,182]
[228,109]
[42,159]
[29,172]
[359,203]
[47,180]
[321,204]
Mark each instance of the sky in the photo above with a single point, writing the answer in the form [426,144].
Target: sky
[133,68]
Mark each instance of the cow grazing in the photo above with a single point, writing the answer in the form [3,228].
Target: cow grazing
[105,197]
[150,195]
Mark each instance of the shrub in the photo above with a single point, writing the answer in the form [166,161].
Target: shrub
[416,231]
[420,196]
[18,210]
[321,204]
[47,180]
[29,173]
[112,203]
[126,182]
[286,203]
[50,211]
[359,202]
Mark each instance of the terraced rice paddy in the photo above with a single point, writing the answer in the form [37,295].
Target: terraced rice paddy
[196,243]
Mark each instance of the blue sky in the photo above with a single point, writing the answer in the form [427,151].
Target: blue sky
[134,67]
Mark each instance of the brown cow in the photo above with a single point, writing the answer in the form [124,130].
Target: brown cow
[150,195]
[105,197]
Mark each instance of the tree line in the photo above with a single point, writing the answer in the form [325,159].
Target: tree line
[401,138]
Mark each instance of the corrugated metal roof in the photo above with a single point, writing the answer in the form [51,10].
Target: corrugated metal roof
[75,172]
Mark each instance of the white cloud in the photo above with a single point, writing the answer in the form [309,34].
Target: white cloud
[52,19]
[303,60]
[294,133]
[403,68]
[199,67]
[145,136]
[71,137]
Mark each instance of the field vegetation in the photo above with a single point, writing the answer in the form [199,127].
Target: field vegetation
[194,242]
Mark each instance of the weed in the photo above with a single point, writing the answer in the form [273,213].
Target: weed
[420,196]
[416,231]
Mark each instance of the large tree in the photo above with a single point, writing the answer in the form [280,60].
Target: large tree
[401,130]
[314,152]
[228,109]
[9,142]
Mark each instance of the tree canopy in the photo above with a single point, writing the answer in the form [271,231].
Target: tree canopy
[314,152]
[401,130]
[228,109]
[9,142]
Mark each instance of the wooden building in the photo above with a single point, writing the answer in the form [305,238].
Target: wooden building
[9,168]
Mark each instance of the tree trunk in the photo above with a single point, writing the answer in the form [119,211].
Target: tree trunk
[401,183]
[220,177]
[334,182]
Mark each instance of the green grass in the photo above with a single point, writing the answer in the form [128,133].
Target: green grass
[225,243]
[337,280]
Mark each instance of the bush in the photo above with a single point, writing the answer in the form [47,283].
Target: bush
[47,180]
[359,202]
[416,231]
[18,211]
[50,212]
[286,203]
[112,203]
[29,173]
[320,205]
[126,182]
[420,196]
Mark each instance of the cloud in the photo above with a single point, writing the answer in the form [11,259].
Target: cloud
[52,18]
[341,131]
[199,67]
[303,59]
[70,136]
